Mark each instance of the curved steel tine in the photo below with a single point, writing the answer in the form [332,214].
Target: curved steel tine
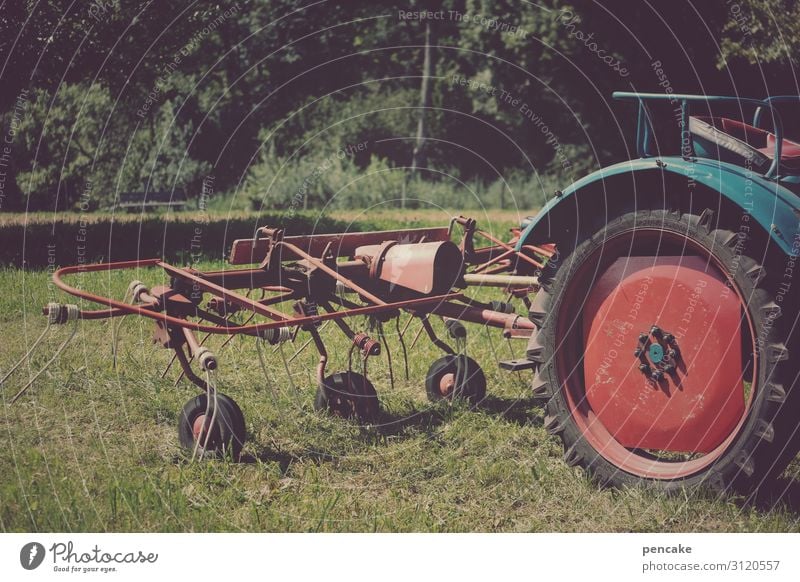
[382,336]
[402,343]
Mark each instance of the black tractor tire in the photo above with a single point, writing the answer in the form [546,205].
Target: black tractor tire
[760,448]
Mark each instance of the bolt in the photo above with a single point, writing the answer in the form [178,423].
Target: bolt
[669,368]
[644,368]
[656,331]
[657,375]
[637,352]
[642,338]
[669,338]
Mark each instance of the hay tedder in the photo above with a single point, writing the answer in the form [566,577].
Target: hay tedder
[659,292]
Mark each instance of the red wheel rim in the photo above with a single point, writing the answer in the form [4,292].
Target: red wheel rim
[570,345]
[200,428]
[446,383]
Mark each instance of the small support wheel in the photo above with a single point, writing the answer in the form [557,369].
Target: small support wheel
[455,377]
[226,435]
[348,395]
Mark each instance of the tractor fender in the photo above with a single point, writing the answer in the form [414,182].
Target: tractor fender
[773,206]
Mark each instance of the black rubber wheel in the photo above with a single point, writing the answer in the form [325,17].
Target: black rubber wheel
[238,415]
[757,448]
[348,395]
[228,434]
[455,377]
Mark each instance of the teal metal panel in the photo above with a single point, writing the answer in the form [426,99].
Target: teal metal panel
[770,204]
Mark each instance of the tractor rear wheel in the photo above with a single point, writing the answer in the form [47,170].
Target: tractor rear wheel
[662,356]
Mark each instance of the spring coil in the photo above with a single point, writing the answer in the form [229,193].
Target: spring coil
[136,288]
[58,313]
[276,335]
[502,306]
[367,345]
[455,328]
[207,359]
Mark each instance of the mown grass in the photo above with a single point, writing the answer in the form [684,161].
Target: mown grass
[93,446]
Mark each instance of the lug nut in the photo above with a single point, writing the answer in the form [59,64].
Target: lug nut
[657,375]
[644,368]
[642,338]
[656,331]
[669,368]
[669,338]
[637,352]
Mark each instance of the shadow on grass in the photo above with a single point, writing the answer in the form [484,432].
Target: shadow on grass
[389,426]
[519,411]
[777,495]
[425,421]
[285,460]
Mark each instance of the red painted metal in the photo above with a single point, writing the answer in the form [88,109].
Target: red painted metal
[249,251]
[509,247]
[691,409]
[333,273]
[240,300]
[121,308]
[414,270]
[484,316]
[199,428]
[429,267]
[447,383]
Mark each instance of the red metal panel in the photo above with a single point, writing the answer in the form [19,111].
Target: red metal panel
[248,251]
[692,409]
[429,267]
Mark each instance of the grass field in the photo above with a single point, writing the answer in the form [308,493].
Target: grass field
[93,446]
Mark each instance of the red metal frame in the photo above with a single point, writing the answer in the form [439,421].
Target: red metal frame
[307,271]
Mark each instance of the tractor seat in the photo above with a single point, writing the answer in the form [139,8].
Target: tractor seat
[734,141]
[790,152]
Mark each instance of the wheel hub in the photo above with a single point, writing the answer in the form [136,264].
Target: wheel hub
[447,383]
[198,427]
[657,353]
[668,397]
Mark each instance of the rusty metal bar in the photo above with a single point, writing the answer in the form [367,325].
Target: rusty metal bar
[187,369]
[248,251]
[126,308]
[497,241]
[332,272]
[484,316]
[493,260]
[231,296]
[500,280]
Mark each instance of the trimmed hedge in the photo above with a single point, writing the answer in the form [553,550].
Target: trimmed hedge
[36,242]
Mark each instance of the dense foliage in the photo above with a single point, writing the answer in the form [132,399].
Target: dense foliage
[296,106]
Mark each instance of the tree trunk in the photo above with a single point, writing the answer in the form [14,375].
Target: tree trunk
[418,155]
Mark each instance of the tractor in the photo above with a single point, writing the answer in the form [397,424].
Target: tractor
[665,323]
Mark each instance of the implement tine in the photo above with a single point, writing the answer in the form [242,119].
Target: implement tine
[388,353]
[403,343]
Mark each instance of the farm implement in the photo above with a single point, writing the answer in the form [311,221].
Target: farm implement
[659,294]
[304,281]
